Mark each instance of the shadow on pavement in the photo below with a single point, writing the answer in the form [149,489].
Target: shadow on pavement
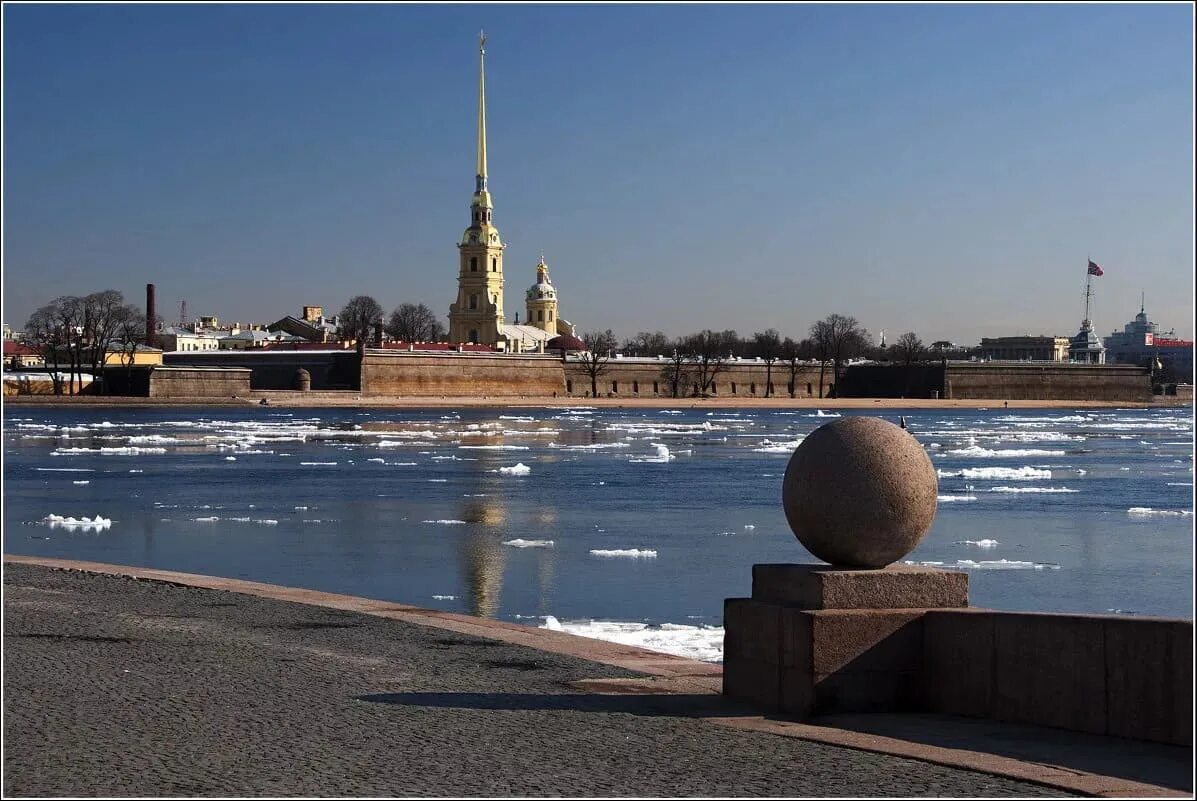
[664,704]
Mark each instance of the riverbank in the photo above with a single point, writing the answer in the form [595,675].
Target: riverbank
[132,681]
[318,400]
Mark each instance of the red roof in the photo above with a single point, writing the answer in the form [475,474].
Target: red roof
[437,346]
[14,348]
[300,346]
[1161,342]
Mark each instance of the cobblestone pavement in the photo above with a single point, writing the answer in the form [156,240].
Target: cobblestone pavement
[114,686]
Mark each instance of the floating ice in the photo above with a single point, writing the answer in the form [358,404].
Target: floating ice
[704,643]
[65,470]
[444,597]
[1036,490]
[205,519]
[1147,511]
[821,413]
[493,447]
[978,543]
[519,469]
[97,523]
[81,482]
[977,451]
[630,553]
[769,446]
[663,455]
[996,564]
[230,458]
[955,498]
[1009,473]
[318,464]
[529,543]
[447,522]
[121,451]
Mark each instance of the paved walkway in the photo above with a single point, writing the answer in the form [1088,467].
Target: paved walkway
[125,687]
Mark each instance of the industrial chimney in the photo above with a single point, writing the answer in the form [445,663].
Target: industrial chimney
[151,315]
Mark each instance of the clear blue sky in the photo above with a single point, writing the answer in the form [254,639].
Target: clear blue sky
[946,170]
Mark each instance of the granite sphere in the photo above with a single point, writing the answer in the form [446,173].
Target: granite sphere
[859,492]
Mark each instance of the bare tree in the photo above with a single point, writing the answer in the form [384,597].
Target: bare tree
[837,338]
[766,345]
[130,333]
[358,319]
[676,369]
[45,331]
[908,348]
[647,344]
[415,323]
[708,352]
[599,346]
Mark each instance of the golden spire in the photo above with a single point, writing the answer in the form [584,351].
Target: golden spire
[481,174]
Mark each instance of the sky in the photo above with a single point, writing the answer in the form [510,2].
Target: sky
[946,170]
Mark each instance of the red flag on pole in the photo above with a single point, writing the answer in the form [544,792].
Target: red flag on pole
[1094,269]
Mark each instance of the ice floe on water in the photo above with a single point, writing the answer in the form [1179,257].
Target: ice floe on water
[81,482]
[65,470]
[212,519]
[993,564]
[518,469]
[1036,490]
[978,543]
[444,597]
[1147,511]
[318,464]
[518,543]
[821,413]
[662,455]
[704,643]
[976,451]
[104,451]
[1008,473]
[97,523]
[627,553]
[955,498]
[769,446]
[447,522]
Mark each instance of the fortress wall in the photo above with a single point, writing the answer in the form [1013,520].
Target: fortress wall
[466,375]
[275,369]
[627,378]
[1048,382]
[198,382]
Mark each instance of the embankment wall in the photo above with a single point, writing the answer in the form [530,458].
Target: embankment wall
[466,375]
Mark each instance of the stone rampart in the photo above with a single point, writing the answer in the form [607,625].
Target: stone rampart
[413,374]
[1045,381]
[198,382]
[275,369]
[644,378]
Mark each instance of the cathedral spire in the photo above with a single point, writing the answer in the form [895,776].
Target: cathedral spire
[480,178]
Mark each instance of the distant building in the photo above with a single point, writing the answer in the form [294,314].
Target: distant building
[1140,342]
[312,326]
[187,338]
[1026,348]
[118,356]
[18,355]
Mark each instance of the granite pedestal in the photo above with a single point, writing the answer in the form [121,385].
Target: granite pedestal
[816,639]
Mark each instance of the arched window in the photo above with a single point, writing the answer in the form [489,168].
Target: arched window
[550,316]
[636,387]
[540,315]
[473,264]
[473,335]
[615,386]
[473,301]
[733,387]
[494,264]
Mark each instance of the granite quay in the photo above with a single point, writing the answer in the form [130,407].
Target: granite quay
[135,687]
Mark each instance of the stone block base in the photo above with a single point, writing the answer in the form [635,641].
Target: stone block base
[826,587]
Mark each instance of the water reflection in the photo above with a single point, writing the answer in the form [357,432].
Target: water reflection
[483,560]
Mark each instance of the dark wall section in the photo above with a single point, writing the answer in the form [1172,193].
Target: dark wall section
[279,369]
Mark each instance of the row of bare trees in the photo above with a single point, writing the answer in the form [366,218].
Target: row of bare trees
[696,359]
[83,331]
[362,318]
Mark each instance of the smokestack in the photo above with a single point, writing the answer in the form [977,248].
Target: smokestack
[151,315]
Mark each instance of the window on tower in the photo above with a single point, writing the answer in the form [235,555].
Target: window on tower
[494,265]
[473,301]
[540,316]
[473,264]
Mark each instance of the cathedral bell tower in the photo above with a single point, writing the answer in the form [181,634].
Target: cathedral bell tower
[477,314]
[542,300]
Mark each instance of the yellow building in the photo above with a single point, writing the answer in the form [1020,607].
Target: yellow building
[142,355]
[477,315]
[542,301]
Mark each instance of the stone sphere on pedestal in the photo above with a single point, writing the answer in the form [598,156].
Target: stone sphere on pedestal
[859,492]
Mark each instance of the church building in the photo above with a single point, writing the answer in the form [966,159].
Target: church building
[477,314]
